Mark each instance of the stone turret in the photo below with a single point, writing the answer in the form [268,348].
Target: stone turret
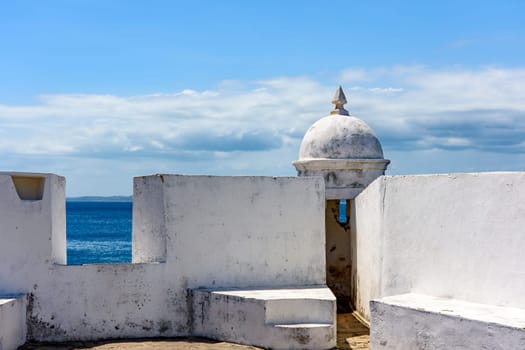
[344,150]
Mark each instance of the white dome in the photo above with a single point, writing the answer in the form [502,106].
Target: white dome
[340,137]
[343,150]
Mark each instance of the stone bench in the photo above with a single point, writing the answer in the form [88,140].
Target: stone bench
[286,318]
[13,328]
[414,321]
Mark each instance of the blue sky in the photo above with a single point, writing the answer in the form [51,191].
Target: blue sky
[101,91]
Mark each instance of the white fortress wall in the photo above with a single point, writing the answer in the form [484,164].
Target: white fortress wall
[149,220]
[245,231]
[86,302]
[32,230]
[218,231]
[13,328]
[366,237]
[456,236]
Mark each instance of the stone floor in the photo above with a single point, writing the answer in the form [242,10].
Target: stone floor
[143,344]
[351,335]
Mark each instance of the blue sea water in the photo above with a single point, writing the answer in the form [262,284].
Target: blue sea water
[98,232]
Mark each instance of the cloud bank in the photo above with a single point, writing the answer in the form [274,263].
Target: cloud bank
[411,108]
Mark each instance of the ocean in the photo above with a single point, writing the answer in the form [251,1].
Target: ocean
[98,232]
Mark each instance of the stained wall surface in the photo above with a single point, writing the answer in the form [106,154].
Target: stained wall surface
[218,232]
[415,321]
[246,231]
[455,236]
[367,246]
[13,329]
[32,232]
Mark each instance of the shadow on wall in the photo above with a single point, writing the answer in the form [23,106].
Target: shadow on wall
[29,187]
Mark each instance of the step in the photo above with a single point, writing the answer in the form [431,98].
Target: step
[285,318]
[415,321]
[304,325]
[300,306]
[13,328]
[312,335]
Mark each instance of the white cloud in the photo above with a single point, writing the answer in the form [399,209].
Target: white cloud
[385,90]
[257,126]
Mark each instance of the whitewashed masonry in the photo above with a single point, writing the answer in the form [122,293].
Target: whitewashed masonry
[190,233]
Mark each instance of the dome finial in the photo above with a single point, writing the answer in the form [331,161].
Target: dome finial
[339,101]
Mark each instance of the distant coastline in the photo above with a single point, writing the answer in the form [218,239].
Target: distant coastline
[100,199]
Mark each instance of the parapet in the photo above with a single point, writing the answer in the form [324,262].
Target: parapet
[32,213]
[232,231]
[189,233]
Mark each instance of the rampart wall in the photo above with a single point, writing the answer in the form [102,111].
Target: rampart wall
[188,232]
[455,236]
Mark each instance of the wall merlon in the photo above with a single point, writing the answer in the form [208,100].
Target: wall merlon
[33,230]
[149,219]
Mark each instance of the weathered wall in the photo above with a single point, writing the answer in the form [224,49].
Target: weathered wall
[32,232]
[13,328]
[69,302]
[458,236]
[207,231]
[246,231]
[149,222]
[343,178]
[106,301]
[415,321]
[367,246]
